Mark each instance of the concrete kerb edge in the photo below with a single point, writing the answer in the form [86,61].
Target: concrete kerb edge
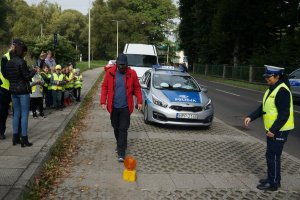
[52,141]
[259,141]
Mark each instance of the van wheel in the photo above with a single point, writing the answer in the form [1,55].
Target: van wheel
[146,120]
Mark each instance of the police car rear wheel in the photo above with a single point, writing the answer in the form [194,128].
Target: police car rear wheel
[146,120]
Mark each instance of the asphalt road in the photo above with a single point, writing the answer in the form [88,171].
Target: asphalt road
[232,104]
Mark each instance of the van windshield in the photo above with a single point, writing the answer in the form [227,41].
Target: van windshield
[141,60]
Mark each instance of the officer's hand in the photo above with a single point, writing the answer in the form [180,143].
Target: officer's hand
[139,107]
[247,121]
[270,134]
[103,106]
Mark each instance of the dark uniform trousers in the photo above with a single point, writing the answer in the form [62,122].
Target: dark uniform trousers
[5,99]
[120,121]
[273,156]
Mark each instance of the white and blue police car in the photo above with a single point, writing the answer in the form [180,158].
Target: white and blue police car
[171,96]
[294,79]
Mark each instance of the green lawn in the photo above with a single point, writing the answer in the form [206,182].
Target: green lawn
[94,64]
[252,86]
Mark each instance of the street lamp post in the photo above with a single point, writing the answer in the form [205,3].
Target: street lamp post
[89,51]
[117,34]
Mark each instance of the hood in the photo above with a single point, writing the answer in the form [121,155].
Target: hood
[140,71]
[182,96]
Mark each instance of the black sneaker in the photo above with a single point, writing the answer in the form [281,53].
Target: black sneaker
[35,115]
[121,158]
[42,115]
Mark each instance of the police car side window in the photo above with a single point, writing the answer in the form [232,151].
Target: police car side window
[297,74]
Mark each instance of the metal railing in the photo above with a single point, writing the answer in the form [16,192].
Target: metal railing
[249,73]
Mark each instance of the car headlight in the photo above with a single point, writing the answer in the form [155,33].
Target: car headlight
[208,105]
[158,102]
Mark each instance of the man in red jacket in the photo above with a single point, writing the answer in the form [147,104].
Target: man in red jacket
[119,86]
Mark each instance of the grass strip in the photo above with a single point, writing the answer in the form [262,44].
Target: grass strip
[242,84]
[66,147]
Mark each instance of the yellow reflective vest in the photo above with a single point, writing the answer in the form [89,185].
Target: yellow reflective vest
[78,81]
[5,82]
[33,88]
[270,110]
[49,85]
[56,78]
[70,82]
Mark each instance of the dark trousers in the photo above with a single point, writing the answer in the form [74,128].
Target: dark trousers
[120,121]
[56,98]
[77,92]
[37,103]
[5,99]
[273,156]
[48,97]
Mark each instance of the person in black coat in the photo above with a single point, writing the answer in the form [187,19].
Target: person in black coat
[19,76]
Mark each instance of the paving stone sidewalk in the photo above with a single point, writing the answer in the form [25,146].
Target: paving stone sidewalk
[173,163]
[18,166]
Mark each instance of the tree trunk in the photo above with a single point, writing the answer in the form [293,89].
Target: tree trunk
[236,52]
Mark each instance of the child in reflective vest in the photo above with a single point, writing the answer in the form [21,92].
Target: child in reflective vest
[77,84]
[36,96]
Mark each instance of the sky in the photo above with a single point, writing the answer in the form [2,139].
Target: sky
[80,5]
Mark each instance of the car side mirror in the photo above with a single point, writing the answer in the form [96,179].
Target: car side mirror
[205,90]
[143,86]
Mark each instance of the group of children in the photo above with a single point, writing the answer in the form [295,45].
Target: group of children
[58,86]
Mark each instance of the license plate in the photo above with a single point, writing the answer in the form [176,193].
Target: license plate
[186,116]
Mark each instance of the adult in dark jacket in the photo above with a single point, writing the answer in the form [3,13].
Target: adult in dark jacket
[119,85]
[19,77]
[278,117]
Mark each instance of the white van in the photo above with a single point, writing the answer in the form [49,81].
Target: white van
[141,57]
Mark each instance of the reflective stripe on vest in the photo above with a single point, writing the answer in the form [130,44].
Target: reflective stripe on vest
[5,82]
[78,81]
[33,88]
[270,110]
[57,78]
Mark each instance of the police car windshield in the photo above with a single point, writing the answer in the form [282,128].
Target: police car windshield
[174,82]
[141,60]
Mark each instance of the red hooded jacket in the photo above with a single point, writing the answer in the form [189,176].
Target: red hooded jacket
[132,88]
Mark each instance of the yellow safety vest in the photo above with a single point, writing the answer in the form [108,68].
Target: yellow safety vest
[70,81]
[78,81]
[33,88]
[49,85]
[5,82]
[270,110]
[57,78]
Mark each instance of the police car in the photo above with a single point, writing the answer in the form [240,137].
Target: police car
[294,79]
[171,96]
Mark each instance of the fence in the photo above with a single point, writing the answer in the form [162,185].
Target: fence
[251,74]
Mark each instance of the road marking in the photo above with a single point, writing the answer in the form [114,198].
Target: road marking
[228,92]
[297,111]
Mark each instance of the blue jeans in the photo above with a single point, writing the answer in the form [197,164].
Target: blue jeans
[21,105]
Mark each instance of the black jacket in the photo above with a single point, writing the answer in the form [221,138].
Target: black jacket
[18,75]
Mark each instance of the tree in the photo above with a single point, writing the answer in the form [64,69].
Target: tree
[139,21]
[71,24]
[4,28]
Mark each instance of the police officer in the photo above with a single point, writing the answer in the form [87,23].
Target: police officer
[5,97]
[278,118]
